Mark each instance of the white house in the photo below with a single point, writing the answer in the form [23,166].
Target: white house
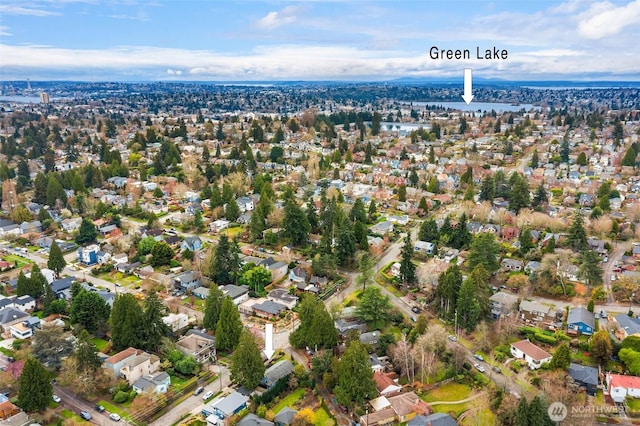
[620,386]
[423,247]
[20,331]
[218,225]
[532,354]
[176,321]
[245,204]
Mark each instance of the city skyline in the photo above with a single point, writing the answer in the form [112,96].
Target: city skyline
[314,40]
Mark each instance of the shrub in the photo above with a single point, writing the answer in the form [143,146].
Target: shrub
[132,395]
[121,397]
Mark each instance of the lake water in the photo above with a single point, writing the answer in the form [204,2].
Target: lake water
[478,106]
[21,99]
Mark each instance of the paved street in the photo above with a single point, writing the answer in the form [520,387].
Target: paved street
[76,404]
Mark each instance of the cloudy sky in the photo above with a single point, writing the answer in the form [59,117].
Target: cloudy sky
[316,40]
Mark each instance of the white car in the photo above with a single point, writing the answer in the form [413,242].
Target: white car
[613,277]
[115,417]
[479,367]
[207,395]
[56,398]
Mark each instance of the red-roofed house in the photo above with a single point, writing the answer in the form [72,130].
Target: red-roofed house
[385,384]
[620,386]
[534,355]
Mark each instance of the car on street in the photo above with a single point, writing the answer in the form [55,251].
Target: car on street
[99,408]
[207,395]
[478,357]
[115,417]
[613,277]
[479,367]
[415,310]
[56,398]
[11,359]
[452,338]
[497,369]
[85,415]
[199,390]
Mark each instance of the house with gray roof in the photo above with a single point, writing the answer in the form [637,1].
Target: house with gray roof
[10,316]
[435,419]
[282,296]
[370,337]
[268,309]
[237,293]
[157,383]
[276,372]
[581,321]
[201,292]
[382,228]
[629,325]
[285,416]
[253,420]
[227,406]
[187,281]
[502,304]
[584,376]
[532,310]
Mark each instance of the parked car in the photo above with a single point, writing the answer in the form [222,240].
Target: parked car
[452,338]
[603,315]
[415,310]
[56,398]
[99,408]
[115,417]
[497,369]
[478,357]
[85,415]
[479,367]
[199,390]
[11,359]
[207,395]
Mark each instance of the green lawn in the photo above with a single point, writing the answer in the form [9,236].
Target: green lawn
[68,414]
[111,408]
[323,418]
[448,392]
[483,417]
[13,258]
[289,400]
[100,343]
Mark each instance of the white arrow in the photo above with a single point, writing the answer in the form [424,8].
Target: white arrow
[468,97]
[268,340]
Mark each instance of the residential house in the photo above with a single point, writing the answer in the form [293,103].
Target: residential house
[193,208]
[435,419]
[245,204]
[532,354]
[581,321]
[319,282]
[596,245]
[117,361]
[218,225]
[584,376]
[20,331]
[382,228]
[176,322]
[513,265]
[253,420]
[276,372]
[277,269]
[200,292]
[237,293]
[370,338]
[386,384]
[384,416]
[535,311]
[619,387]
[103,257]
[156,234]
[157,383]
[407,406]
[227,406]
[8,227]
[532,266]
[502,304]
[268,309]
[62,287]
[127,268]
[71,225]
[31,227]
[9,412]
[423,247]
[10,316]
[285,416]
[298,275]
[187,281]
[88,255]
[282,296]
[510,233]
[343,326]
[142,364]
[25,303]
[375,363]
[628,326]
[120,258]
[198,344]
[191,243]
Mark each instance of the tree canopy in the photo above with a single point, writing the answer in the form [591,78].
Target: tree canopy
[247,368]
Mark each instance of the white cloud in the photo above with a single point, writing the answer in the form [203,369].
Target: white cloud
[273,20]
[10,9]
[604,19]
[174,72]
[4,31]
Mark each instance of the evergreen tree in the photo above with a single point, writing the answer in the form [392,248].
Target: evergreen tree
[540,197]
[229,327]
[423,207]
[461,236]
[551,246]
[56,260]
[345,244]
[589,269]
[488,189]
[226,264]
[23,287]
[232,211]
[357,212]
[429,231]
[522,413]
[402,193]
[561,357]
[519,196]
[355,382]
[432,155]
[372,209]
[315,326]
[87,232]
[600,347]
[564,151]
[296,225]
[484,251]
[526,241]
[629,158]
[35,386]
[212,307]
[153,329]
[374,308]
[161,254]
[247,368]
[537,412]
[126,319]
[86,353]
[90,311]
[468,306]
[534,159]
[407,267]
[577,236]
